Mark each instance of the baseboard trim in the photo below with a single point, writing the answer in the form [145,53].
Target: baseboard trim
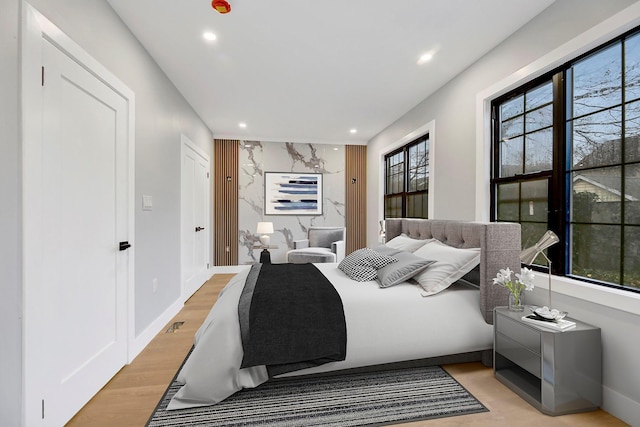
[621,406]
[144,338]
[228,269]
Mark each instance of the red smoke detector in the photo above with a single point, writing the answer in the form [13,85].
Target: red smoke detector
[221,6]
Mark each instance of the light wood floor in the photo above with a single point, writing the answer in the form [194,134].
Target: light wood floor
[130,397]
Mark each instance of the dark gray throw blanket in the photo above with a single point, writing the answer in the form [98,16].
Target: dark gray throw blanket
[291,318]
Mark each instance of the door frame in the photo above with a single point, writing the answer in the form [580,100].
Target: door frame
[187,144]
[35,28]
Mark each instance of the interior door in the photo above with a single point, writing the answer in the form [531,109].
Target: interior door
[76,214]
[196,230]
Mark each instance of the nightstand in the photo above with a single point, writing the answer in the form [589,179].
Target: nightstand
[557,372]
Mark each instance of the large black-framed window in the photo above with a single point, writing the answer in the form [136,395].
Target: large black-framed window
[406,191]
[566,157]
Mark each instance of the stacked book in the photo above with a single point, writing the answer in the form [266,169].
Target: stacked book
[557,324]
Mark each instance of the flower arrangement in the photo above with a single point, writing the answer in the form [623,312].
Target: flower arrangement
[523,281]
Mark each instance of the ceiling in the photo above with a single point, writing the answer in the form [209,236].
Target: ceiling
[302,71]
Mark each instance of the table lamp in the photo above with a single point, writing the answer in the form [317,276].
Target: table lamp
[265,228]
[528,255]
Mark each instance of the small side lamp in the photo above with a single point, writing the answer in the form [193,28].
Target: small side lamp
[528,255]
[382,235]
[265,228]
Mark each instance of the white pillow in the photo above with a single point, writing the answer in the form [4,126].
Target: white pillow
[451,264]
[406,243]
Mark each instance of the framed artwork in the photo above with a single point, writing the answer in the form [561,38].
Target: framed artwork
[292,193]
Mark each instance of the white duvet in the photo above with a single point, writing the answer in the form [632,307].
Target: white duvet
[383,325]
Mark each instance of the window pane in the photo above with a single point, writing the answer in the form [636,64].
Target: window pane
[512,108]
[632,68]
[632,194]
[632,132]
[632,257]
[597,81]
[412,180]
[596,195]
[508,198]
[393,207]
[512,128]
[417,205]
[534,204]
[596,139]
[395,171]
[540,118]
[418,166]
[418,180]
[595,252]
[511,157]
[539,151]
[540,96]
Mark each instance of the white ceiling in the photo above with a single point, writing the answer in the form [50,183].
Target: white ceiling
[303,71]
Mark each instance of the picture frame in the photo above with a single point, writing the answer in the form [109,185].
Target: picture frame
[293,193]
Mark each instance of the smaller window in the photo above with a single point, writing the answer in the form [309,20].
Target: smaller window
[407,180]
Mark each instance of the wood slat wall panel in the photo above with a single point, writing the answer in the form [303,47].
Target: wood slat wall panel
[356,196]
[225,209]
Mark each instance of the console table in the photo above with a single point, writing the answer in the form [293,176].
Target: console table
[265,255]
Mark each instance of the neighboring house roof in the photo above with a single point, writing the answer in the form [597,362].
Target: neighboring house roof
[610,153]
[612,184]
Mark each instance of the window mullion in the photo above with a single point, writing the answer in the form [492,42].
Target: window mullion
[558,200]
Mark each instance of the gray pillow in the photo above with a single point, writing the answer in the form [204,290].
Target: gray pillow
[362,265]
[408,265]
[324,237]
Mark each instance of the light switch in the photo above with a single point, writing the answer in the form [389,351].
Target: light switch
[147,203]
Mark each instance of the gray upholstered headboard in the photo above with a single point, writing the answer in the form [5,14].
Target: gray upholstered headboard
[499,243]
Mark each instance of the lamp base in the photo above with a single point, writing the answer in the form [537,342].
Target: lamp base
[264,240]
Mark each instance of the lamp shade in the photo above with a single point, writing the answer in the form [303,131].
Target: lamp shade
[548,239]
[265,228]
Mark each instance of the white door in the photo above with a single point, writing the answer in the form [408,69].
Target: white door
[196,230]
[76,213]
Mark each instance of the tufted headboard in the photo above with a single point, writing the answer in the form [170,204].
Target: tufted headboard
[499,243]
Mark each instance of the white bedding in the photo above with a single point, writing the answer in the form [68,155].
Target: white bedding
[383,325]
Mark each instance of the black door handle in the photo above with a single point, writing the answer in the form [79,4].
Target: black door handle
[124,246]
[199,229]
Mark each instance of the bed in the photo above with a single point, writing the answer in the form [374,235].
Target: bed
[385,326]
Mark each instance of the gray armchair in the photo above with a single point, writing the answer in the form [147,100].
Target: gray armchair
[323,244]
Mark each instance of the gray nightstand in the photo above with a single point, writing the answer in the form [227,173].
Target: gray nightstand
[558,372]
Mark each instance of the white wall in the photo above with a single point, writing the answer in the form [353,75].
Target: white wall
[162,115]
[461,192]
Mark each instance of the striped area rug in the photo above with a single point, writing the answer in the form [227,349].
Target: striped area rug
[378,398]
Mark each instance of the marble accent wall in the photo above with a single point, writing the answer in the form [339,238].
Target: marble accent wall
[256,157]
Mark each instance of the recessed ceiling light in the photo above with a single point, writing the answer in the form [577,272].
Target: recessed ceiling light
[242,125]
[353,131]
[209,36]
[425,58]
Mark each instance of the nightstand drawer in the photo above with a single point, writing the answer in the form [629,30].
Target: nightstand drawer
[528,337]
[518,354]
